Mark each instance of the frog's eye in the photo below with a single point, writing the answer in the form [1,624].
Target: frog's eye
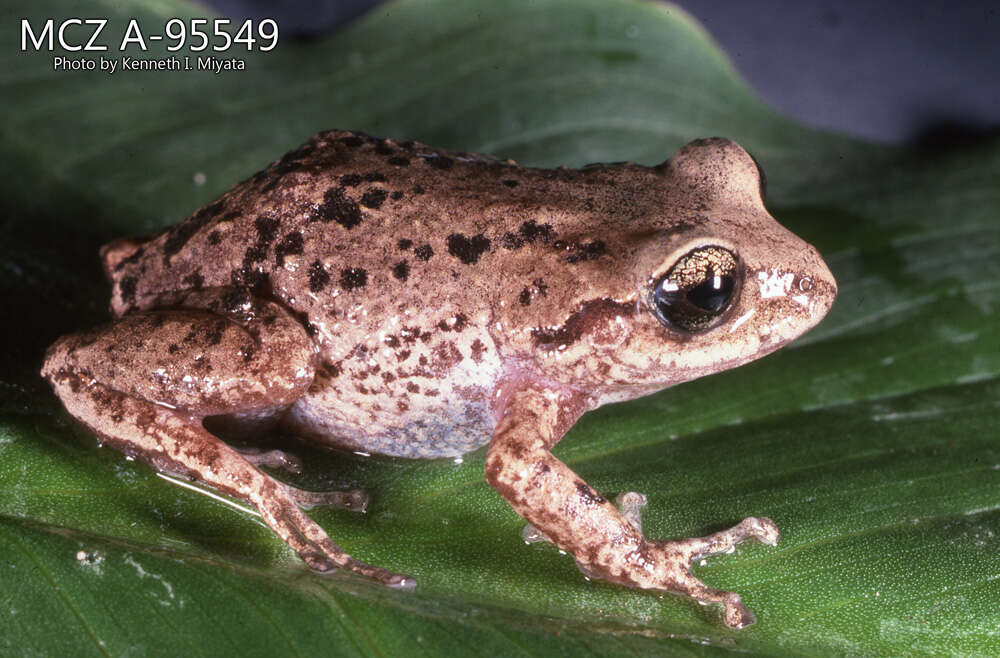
[697,291]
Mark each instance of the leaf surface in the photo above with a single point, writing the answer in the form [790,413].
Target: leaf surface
[872,441]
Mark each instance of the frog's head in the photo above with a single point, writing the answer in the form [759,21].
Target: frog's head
[716,281]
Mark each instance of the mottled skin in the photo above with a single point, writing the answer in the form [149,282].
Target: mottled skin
[397,299]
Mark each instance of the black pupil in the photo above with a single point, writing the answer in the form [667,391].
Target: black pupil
[713,293]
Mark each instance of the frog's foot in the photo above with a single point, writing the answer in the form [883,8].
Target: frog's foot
[673,558]
[354,500]
[278,459]
[316,548]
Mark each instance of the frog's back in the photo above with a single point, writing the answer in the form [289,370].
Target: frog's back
[401,260]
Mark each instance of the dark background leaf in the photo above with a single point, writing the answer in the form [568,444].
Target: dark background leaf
[871,442]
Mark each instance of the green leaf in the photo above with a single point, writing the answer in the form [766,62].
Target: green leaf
[872,441]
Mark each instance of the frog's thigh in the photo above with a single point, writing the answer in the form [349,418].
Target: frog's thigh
[145,382]
[568,512]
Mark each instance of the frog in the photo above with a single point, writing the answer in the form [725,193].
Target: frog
[391,298]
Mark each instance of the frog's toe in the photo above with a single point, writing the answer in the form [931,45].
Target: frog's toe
[762,529]
[630,504]
[318,561]
[735,614]
[532,535]
[399,581]
[354,500]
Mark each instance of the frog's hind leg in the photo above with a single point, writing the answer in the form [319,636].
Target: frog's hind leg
[145,382]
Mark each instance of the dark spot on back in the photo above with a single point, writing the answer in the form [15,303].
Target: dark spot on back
[418,189]
[467,250]
[267,228]
[383,149]
[399,161]
[254,254]
[350,180]
[352,141]
[214,238]
[290,244]
[412,388]
[179,235]
[337,207]
[512,241]
[423,252]
[397,195]
[374,198]
[510,183]
[532,231]
[587,251]
[375,177]
[525,297]
[401,270]
[318,277]
[353,277]
[404,244]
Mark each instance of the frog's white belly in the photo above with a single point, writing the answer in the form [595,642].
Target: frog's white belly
[441,417]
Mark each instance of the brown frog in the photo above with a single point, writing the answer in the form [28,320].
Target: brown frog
[397,299]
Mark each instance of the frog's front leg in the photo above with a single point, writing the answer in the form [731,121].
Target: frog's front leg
[569,513]
[146,382]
